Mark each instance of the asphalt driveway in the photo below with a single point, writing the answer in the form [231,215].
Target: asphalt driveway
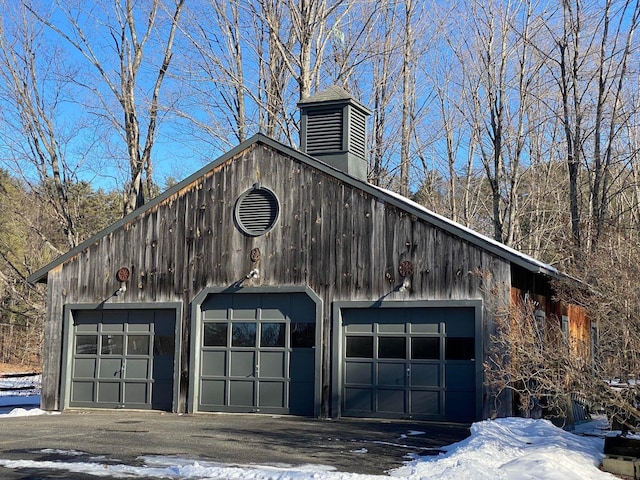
[122,437]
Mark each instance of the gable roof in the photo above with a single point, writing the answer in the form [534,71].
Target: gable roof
[403,203]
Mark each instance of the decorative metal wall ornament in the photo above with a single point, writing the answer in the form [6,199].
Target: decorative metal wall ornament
[123,274]
[255,254]
[405,269]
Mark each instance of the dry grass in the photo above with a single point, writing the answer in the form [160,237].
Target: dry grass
[13,368]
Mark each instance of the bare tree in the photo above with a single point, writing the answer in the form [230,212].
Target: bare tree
[241,78]
[307,21]
[213,70]
[122,74]
[612,302]
[590,65]
[497,68]
[384,84]
[452,153]
[569,47]
[612,70]
[400,94]
[32,95]
[275,71]
[408,95]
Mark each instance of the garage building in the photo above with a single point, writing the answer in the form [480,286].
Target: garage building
[279,281]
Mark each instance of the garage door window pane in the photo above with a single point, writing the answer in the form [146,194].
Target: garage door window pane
[138,345]
[459,348]
[360,347]
[111,345]
[272,334]
[87,344]
[303,335]
[425,348]
[243,334]
[392,347]
[215,334]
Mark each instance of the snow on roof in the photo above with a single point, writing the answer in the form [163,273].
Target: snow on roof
[472,233]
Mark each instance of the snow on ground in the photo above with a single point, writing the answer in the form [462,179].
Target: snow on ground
[506,448]
[514,448]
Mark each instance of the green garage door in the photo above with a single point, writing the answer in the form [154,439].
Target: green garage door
[409,363]
[123,359]
[257,353]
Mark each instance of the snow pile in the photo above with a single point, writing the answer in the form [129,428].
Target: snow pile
[514,448]
[26,412]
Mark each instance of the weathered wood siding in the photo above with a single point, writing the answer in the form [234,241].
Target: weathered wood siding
[579,322]
[579,331]
[342,242]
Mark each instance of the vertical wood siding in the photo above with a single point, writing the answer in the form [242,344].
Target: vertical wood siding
[342,242]
[579,322]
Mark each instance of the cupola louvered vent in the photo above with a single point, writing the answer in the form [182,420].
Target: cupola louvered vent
[358,133]
[324,131]
[257,211]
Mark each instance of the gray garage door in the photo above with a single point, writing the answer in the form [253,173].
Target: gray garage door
[257,353]
[123,359]
[409,363]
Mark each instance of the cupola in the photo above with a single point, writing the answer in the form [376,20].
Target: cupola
[333,130]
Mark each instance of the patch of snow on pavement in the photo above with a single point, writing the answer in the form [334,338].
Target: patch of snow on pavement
[360,450]
[66,453]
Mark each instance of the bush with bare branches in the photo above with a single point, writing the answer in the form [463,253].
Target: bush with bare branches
[545,368]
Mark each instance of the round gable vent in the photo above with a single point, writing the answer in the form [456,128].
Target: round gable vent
[257,211]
